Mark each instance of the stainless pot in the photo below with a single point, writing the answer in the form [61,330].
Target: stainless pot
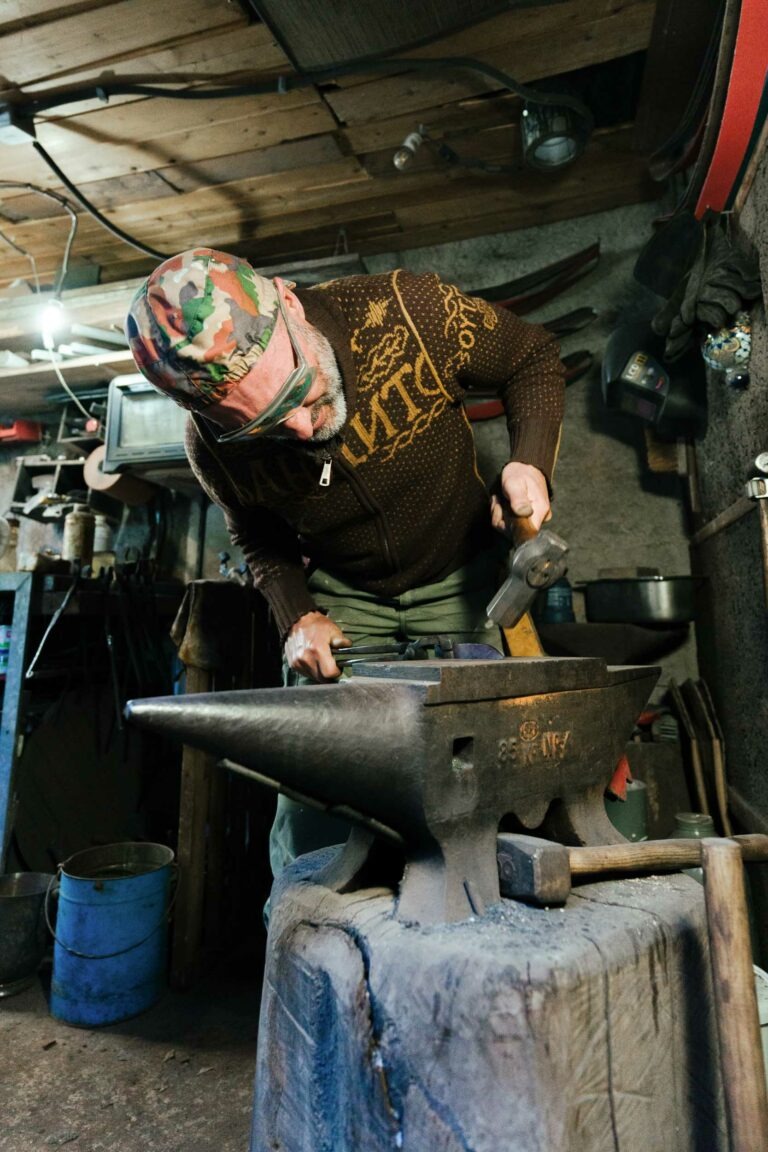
[641,600]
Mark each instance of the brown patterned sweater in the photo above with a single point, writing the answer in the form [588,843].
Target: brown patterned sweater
[406,505]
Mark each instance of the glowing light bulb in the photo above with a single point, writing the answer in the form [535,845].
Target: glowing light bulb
[52,320]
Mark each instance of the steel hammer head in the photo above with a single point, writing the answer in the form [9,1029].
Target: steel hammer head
[534,870]
[536,563]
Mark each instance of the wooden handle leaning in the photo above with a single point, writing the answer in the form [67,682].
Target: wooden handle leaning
[656,855]
[738,1024]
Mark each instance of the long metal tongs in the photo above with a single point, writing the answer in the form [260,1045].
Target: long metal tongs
[441,647]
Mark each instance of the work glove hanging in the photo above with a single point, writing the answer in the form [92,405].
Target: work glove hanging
[722,281]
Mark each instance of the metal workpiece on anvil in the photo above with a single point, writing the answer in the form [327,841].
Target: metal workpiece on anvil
[437,751]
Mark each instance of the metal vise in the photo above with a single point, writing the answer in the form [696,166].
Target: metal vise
[434,753]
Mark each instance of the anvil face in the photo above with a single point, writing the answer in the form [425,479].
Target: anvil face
[437,752]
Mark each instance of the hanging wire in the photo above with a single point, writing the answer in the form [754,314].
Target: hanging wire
[65,204]
[64,264]
[23,252]
[93,210]
[67,389]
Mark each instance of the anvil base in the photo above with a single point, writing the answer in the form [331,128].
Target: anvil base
[579,1029]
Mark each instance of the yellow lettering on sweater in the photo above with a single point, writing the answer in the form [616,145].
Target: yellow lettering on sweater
[382,417]
[379,418]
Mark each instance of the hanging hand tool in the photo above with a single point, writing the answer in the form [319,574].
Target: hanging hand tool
[538,560]
[55,619]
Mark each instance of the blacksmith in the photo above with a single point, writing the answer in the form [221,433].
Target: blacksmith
[328,424]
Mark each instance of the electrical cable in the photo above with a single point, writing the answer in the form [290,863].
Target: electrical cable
[92,209]
[283,84]
[68,390]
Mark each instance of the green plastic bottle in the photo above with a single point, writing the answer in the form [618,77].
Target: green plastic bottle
[693,826]
[630,816]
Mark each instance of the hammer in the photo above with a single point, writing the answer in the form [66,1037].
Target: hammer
[538,560]
[540,871]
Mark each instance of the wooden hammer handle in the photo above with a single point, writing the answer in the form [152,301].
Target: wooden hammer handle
[522,530]
[655,855]
[733,981]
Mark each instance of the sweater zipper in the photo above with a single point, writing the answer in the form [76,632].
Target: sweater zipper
[362,494]
[325,475]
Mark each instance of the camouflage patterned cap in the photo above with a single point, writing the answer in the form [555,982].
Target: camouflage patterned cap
[199,323]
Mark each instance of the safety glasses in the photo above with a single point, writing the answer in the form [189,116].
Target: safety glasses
[290,397]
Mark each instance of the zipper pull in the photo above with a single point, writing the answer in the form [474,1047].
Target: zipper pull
[325,475]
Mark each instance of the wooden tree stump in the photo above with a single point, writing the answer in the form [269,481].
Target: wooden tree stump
[582,1029]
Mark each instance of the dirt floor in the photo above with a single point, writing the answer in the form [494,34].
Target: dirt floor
[178,1078]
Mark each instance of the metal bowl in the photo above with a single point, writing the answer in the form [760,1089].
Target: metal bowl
[641,600]
[23,930]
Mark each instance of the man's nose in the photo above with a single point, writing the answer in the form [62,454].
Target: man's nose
[300,423]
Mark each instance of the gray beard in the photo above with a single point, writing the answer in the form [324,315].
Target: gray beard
[333,399]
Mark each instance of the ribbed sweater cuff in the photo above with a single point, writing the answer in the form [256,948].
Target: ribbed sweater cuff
[535,442]
[288,598]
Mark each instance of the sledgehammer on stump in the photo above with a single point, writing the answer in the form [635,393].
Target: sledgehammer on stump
[540,871]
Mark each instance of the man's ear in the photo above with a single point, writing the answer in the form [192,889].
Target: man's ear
[293,305]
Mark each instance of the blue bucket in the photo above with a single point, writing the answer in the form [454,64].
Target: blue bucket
[111,938]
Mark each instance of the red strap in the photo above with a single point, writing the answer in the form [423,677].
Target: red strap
[742,103]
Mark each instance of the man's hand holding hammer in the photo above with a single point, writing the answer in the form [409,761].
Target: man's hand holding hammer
[523,494]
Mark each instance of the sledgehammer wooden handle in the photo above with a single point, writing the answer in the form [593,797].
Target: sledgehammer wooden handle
[655,855]
[733,983]
[522,530]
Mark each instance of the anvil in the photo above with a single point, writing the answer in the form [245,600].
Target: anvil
[434,753]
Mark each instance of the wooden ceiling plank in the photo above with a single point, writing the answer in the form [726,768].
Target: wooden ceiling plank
[511,27]
[428,194]
[105,194]
[127,122]
[498,144]
[468,115]
[151,221]
[94,38]
[432,222]
[279,158]
[87,156]
[165,182]
[211,54]
[325,196]
[587,41]
[16,14]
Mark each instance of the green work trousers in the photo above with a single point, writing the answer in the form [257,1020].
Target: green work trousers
[453,607]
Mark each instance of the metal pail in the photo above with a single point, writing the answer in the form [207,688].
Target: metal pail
[111,939]
[23,931]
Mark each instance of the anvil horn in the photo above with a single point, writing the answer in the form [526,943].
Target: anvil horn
[336,744]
